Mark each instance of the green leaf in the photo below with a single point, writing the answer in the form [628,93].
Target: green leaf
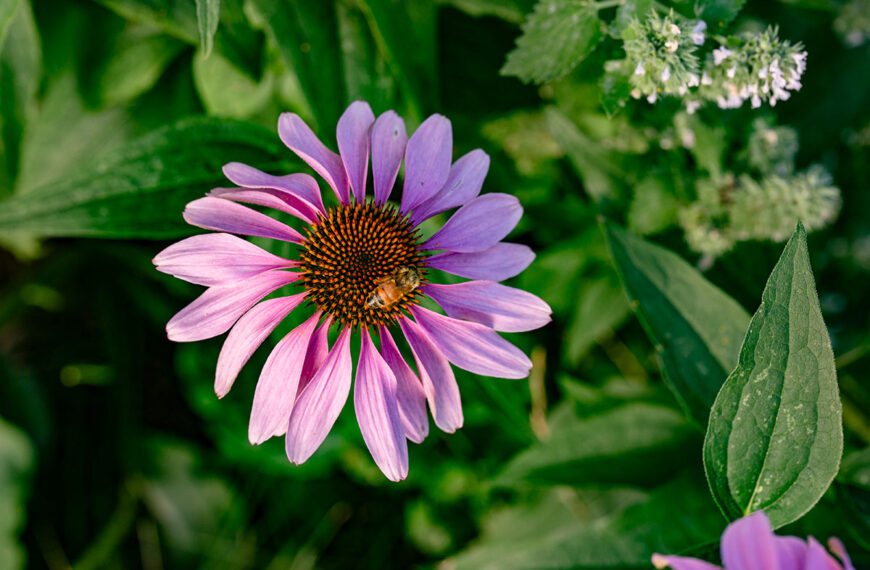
[226,91]
[775,436]
[7,13]
[139,190]
[556,37]
[178,18]
[366,71]
[636,444]
[207,18]
[304,34]
[20,74]
[16,462]
[509,10]
[601,307]
[696,327]
[616,528]
[718,13]
[653,207]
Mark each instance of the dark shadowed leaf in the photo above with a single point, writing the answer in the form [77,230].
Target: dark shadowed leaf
[718,13]
[139,190]
[696,327]
[775,436]
[16,462]
[634,444]
[557,36]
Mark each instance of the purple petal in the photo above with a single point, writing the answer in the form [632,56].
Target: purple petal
[353,134]
[439,383]
[818,558]
[473,347]
[681,563]
[225,216]
[320,402]
[301,139]
[409,391]
[478,225]
[267,197]
[389,139]
[749,544]
[300,190]
[837,548]
[247,334]
[463,184]
[318,349]
[279,383]
[497,306]
[374,399]
[499,262]
[212,259]
[427,161]
[791,551]
[215,311]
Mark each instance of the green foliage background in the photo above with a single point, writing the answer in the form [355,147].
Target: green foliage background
[114,451]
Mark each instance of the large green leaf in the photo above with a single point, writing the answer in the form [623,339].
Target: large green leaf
[139,190]
[557,36]
[634,444]
[696,327]
[775,436]
[617,528]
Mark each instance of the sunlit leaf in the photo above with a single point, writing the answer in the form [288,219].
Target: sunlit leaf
[697,328]
[776,436]
[207,19]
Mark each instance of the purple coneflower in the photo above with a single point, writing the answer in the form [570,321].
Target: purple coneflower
[749,544]
[362,267]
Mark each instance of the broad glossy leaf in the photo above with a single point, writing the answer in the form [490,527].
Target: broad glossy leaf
[635,444]
[696,327]
[718,13]
[775,436]
[557,36]
[139,190]
[366,70]
[207,18]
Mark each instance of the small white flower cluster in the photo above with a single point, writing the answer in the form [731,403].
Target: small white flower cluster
[728,211]
[661,54]
[756,68]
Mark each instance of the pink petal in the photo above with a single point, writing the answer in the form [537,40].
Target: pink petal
[497,306]
[389,139]
[247,334]
[374,398]
[427,161]
[409,392]
[818,558]
[473,347]
[320,402]
[791,551]
[463,184]
[212,259]
[318,349]
[295,188]
[226,216]
[353,134]
[837,548]
[478,225]
[439,383]
[279,382]
[681,563]
[301,139]
[749,544]
[215,311]
[499,262]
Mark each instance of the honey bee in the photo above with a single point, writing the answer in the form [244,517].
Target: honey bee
[391,289]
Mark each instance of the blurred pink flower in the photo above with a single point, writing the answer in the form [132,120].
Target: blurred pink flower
[362,266]
[749,544]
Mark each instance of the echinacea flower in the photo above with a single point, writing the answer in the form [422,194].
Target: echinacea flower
[750,544]
[362,268]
